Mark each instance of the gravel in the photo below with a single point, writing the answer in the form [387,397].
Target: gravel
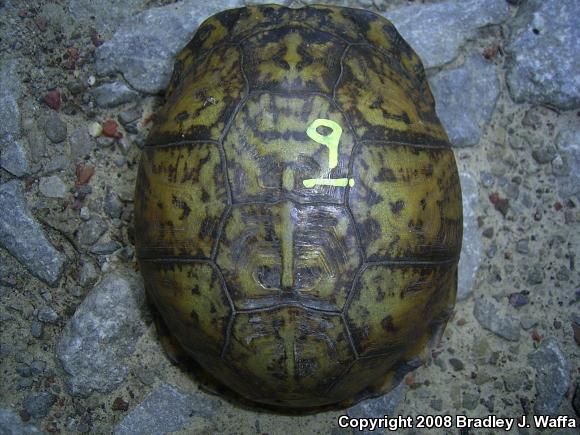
[105,248]
[472,246]
[52,187]
[14,157]
[81,143]
[552,376]
[10,93]
[144,47]
[437,31]
[12,424]
[47,315]
[88,273]
[152,416]
[91,230]
[465,98]
[102,333]
[569,149]
[489,315]
[55,128]
[380,406]
[543,61]
[105,15]
[114,94]
[113,206]
[38,405]
[23,237]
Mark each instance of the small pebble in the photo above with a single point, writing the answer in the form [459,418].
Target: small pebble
[563,274]
[38,367]
[129,115]
[112,206]
[38,405]
[52,187]
[120,405]
[88,273]
[36,329]
[89,232]
[544,156]
[110,129]
[91,80]
[146,376]
[24,384]
[55,128]
[46,295]
[95,129]
[125,144]
[105,248]
[536,275]
[105,142]
[522,246]
[24,370]
[470,401]
[52,99]
[84,174]
[500,204]
[486,179]
[488,232]
[518,300]
[436,404]
[47,315]
[85,214]
[456,364]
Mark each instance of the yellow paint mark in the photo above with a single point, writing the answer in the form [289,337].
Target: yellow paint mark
[339,182]
[330,140]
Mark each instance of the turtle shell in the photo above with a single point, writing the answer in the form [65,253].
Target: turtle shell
[298,209]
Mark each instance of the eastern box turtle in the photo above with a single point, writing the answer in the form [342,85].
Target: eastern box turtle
[298,210]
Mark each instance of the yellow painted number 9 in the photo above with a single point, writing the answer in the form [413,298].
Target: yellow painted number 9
[331,141]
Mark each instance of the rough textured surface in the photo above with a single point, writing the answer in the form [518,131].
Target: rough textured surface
[12,424]
[10,91]
[489,316]
[106,15]
[437,31]
[114,94]
[21,235]
[52,186]
[38,405]
[102,334]
[544,47]
[569,150]
[14,157]
[152,416]
[472,246]
[144,47]
[81,143]
[379,406]
[552,376]
[465,99]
